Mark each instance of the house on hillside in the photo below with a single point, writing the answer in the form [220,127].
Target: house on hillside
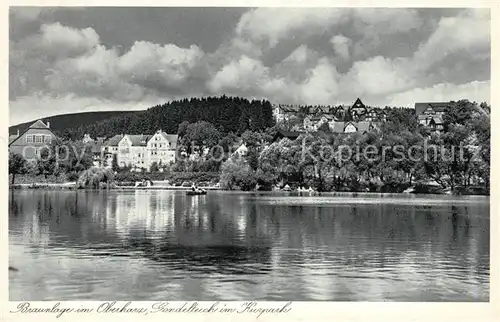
[110,146]
[161,148]
[313,123]
[32,141]
[241,151]
[357,110]
[132,151]
[351,127]
[87,139]
[141,151]
[431,114]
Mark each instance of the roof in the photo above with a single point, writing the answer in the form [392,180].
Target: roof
[289,108]
[172,138]
[437,106]
[95,146]
[362,126]
[358,104]
[139,140]
[113,141]
[287,134]
[318,118]
[38,125]
[338,127]
[437,120]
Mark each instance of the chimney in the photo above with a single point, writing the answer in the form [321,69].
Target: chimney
[48,124]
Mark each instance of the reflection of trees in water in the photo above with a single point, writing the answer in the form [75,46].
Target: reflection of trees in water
[161,226]
[229,229]
[370,235]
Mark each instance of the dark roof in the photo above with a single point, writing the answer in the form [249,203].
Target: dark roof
[287,134]
[289,108]
[113,141]
[140,139]
[172,138]
[437,106]
[358,104]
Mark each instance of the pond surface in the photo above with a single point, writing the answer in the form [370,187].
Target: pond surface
[164,245]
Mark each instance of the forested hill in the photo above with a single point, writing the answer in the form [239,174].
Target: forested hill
[228,114]
[59,123]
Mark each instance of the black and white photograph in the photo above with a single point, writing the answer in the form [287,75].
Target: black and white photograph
[248,154]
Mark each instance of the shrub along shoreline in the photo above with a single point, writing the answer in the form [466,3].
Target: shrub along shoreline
[183,181]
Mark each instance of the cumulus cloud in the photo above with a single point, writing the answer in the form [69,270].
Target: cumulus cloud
[65,41]
[469,31]
[307,56]
[299,55]
[379,75]
[274,24]
[321,87]
[245,75]
[341,46]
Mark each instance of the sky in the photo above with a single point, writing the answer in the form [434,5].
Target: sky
[70,60]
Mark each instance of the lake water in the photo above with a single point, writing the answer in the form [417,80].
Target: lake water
[164,245]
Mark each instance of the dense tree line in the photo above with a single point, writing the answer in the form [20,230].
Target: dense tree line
[227,114]
[389,158]
[461,157]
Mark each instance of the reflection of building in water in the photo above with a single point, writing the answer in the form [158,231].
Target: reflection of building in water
[145,210]
[35,231]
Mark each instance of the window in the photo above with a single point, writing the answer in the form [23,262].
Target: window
[38,138]
[47,139]
[29,138]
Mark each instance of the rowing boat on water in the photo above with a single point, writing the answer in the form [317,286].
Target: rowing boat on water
[196,193]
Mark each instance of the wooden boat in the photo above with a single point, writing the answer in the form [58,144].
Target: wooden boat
[196,193]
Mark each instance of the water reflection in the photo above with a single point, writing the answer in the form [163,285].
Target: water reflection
[233,246]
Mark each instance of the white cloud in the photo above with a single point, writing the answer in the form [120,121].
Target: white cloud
[341,46]
[65,41]
[242,74]
[321,87]
[76,62]
[378,76]
[62,64]
[299,55]
[469,31]
[273,24]
[169,64]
